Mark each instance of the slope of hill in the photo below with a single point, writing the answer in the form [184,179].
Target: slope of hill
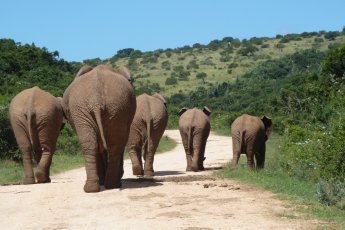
[176,70]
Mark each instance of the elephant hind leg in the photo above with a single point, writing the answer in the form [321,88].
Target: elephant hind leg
[236,151]
[114,170]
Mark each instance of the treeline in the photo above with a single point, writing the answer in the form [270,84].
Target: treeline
[22,67]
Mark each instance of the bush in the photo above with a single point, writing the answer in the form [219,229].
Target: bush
[331,193]
[171,81]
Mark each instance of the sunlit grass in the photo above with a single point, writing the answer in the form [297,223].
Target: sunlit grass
[300,193]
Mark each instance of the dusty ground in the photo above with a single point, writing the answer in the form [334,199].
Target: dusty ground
[175,200]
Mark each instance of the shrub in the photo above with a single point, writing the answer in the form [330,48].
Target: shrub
[171,81]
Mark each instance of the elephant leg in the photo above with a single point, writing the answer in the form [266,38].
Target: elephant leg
[202,155]
[236,151]
[114,170]
[42,171]
[25,147]
[250,155]
[88,141]
[189,162]
[260,157]
[134,152]
[149,157]
[188,151]
[198,148]
[101,165]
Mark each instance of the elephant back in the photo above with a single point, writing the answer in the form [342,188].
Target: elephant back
[252,125]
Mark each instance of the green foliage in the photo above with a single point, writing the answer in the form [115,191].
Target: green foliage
[201,76]
[171,80]
[332,193]
[247,50]
[334,63]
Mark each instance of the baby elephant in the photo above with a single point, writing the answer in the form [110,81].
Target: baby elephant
[36,119]
[249,136]
[147,128]
[194,126]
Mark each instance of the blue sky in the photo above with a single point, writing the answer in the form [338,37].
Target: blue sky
[81,30]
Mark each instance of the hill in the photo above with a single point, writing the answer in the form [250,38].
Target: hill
[173,71]
[296,79]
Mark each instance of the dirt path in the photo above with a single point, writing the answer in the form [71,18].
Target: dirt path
[178,200]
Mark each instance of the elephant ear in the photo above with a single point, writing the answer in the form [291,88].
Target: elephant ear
[207,111]
[160,97]
[84,69]
[184,109]
[124,72]
[268,125]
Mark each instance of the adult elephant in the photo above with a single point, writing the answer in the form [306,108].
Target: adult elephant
[249,136]
[36,119]
[148,126]
[100,105]
[194,126]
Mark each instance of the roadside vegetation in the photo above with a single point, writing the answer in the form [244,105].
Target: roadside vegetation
[296,79]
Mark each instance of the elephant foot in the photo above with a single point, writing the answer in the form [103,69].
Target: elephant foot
[29,180]
[137,170]
[149,173]
[195,169]
[91,186]
[42,177]
[113,185]
[188,169]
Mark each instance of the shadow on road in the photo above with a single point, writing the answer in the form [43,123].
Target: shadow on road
[168,173]
[140,182]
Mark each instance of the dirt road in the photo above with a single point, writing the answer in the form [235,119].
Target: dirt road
[177,200]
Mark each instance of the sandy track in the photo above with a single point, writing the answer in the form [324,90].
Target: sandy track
[176,200]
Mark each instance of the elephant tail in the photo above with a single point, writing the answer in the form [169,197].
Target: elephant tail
[31,119]
[190,139]
[242,141]
[148,126]
[100,127]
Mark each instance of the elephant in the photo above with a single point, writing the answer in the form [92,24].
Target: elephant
[249,136]
[100,105]
[194,126]
[36,118]
[148,126]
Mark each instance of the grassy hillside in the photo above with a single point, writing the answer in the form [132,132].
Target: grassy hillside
[222,60]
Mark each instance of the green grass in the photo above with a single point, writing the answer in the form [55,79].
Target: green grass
[12,172]
[218,72]
[300,193]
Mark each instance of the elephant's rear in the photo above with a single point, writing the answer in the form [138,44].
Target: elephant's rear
[100,105]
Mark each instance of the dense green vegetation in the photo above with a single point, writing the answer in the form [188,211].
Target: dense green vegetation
[296,79]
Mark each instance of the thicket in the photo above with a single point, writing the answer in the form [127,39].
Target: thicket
[22,67]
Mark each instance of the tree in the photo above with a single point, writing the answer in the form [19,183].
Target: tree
[201,76]
[334,63]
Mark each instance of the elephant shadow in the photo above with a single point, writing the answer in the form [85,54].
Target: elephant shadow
[140,182]
[213,168]
[168,173]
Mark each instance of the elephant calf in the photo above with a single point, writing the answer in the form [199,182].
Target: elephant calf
[194,126]
[249,136]
[36,119]
[147,128]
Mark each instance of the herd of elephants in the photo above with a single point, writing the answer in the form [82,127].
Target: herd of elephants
[101,106]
